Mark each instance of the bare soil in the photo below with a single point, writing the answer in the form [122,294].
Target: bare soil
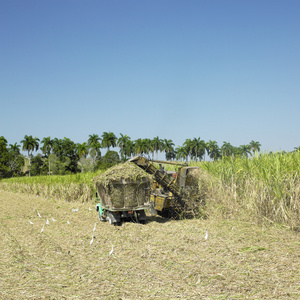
[164,259]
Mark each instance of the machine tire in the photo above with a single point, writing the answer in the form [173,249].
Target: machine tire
[165,213]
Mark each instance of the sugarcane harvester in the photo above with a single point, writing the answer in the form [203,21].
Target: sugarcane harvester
[124,191]
[170,188]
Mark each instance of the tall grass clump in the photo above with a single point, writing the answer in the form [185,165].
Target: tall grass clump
[265,187]
[77,187]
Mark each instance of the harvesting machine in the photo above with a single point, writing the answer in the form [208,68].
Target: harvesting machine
[127,199]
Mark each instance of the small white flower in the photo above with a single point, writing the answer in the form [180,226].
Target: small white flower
[92,240]
[53,219]
[42,229]
[94,227]
[47,222]
[206,235]
[30,222]
[68,222]
[75,209]
[90,208]
[39,214]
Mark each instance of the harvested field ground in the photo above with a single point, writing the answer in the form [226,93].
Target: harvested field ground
[164,259]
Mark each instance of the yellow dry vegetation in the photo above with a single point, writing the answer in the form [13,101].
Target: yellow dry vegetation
[78,257]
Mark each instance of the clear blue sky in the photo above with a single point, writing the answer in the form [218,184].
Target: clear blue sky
[218,70]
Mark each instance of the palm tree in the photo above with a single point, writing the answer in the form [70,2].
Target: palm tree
[171,155]
[168,147]
[181,153]
[94,141]
[254,146]
[129,148]
[198,148]
[47,148]
[141,146]
[244,150]
[150,146]
[82,149]
[15,148]
[213,150]
[121,143]
[227,149]
[188,144]
[157,145]
[109,140]
[30,144]
[94,144]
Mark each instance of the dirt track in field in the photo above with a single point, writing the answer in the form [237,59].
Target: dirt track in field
[160,260]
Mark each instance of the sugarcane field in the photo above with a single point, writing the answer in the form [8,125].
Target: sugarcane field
[138,231]
[149,150]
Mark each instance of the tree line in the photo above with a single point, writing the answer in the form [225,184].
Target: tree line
[63,156]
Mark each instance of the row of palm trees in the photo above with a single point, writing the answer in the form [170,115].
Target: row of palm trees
[192,149]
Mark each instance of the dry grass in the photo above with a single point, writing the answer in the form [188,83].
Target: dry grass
[164,259]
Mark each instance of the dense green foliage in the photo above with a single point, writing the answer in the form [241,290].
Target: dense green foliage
[63,156]
[11,161]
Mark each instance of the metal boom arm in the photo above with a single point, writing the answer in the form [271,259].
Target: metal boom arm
[160,177]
